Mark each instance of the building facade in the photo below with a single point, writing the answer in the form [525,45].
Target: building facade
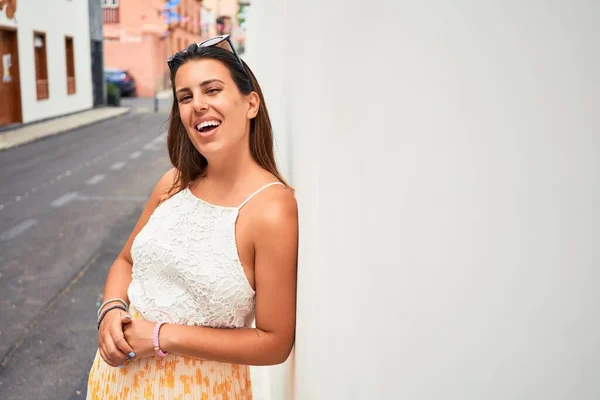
[139,36]
[445,157]
[45,65]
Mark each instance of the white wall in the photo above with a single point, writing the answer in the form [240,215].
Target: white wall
[265,54]
[446,161]
[56,19]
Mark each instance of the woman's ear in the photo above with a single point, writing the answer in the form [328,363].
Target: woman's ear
[253,105]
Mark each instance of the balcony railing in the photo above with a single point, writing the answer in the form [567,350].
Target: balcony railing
[70,85]
[111,15]
[42,89]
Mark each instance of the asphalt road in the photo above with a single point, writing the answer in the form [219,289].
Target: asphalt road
[67,205]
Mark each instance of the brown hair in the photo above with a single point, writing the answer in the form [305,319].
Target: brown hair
[189,163]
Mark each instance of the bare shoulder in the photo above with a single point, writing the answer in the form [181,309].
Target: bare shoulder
[164,184]
[167,179]
[276,207]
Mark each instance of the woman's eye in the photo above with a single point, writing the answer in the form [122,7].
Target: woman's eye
[184,98]
[213,91]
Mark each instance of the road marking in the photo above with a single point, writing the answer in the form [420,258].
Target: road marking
[64,199]
[95,179]
[150,146]
[117,166]
[17,229]
[135,155]
[18,198]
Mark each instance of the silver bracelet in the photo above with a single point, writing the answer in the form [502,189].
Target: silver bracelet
[101,317]
[113,301]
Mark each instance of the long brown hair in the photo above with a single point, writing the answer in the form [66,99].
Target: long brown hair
[189,163]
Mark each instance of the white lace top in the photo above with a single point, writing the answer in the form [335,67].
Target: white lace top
[186,268]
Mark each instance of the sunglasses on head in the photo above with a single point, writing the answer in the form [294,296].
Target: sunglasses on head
[222,41]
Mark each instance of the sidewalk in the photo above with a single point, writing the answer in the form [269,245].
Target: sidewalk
[38,130]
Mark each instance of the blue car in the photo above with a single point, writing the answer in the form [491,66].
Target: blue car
[122,79]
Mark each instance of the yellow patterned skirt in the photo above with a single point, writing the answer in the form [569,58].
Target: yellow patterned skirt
[168,378]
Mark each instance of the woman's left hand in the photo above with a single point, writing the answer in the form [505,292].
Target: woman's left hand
[138,333]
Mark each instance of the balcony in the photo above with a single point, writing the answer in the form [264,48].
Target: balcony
[70,85]
[111,15]
[42,89]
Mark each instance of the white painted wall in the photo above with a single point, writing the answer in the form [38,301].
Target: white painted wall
[56,19]
[446,157]
[268,64]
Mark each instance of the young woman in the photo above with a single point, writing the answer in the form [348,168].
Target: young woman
[214,250]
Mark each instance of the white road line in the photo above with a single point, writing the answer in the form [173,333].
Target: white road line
[117,166]
[135,155]
[95,179]
[17,229]
[150,146]
[64,199]
[18,198]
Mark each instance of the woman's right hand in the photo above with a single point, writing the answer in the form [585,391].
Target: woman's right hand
[112,345]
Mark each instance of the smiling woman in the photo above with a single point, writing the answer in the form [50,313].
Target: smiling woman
[213,253]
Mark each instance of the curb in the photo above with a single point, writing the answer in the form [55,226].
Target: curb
[60,131]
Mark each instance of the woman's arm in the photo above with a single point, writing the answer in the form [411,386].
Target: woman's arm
[275,249]
[111,343]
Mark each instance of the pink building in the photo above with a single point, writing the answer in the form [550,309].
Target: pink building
[136,38]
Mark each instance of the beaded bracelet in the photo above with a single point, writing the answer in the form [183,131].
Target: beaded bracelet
[113,301]
[157,349]
[120,307]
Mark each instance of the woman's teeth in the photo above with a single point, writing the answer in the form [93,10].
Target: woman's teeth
[207,125]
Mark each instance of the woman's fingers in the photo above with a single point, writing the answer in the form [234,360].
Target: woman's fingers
[106,358]
[114,355]
[125,317]
[121,344]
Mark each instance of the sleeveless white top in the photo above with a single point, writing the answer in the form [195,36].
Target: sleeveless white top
[186,268]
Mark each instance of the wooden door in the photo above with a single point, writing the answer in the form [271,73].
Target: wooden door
[10,93]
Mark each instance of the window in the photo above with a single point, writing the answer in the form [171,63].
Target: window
[41,65]
[110,11]
[70,65]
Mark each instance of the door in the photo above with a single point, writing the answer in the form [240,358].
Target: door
[10,92]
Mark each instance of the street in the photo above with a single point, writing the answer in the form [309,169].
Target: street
[67,205]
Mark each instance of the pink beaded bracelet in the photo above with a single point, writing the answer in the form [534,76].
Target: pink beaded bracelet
[157,349]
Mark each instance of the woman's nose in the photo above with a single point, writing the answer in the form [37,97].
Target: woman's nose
[199,104]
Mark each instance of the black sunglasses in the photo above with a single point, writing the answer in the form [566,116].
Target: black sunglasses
[222,41]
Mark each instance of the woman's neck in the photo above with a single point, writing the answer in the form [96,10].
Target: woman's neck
[227,172]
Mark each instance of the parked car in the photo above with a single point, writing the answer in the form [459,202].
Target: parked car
[122,79]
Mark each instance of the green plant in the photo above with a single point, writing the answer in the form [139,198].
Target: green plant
[113,95]
[113,90]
